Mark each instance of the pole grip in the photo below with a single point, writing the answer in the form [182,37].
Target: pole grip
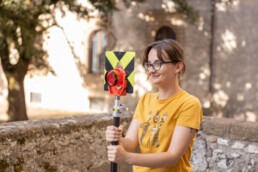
[116,121]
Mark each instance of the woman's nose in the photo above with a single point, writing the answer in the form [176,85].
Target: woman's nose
[151,70]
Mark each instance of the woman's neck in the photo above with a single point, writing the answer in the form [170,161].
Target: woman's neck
[168,91]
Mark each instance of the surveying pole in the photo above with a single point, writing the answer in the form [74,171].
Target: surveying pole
[118,81]
[116,122]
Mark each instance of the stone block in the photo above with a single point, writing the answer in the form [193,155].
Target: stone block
[235,155]
[252,149]
[213,139]
[223,164]
[238,145]
[216,126]
[244,131]
[230,128]
[223,141]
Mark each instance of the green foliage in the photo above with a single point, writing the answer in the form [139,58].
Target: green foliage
[183,7]
[19,22]
[127,3]
[22,27]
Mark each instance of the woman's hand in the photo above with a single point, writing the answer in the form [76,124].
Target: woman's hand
[113,133]
[117,153]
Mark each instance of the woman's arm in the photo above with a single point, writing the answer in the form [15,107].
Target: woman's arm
[180,141]
[130,142]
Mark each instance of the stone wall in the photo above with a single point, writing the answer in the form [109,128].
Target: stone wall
[76,144]
[226,145]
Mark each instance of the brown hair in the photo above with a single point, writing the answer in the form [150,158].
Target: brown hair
[169,48]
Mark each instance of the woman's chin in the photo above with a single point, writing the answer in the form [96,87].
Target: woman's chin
[155,82]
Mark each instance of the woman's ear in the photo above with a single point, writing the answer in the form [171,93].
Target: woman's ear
[179,67]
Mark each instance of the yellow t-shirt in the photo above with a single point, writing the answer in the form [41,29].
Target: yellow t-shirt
[157,120]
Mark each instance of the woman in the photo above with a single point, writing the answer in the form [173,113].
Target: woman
[165,123]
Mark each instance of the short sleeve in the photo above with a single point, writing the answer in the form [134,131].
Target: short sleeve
[191,114]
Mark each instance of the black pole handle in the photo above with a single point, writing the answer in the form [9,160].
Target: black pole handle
[116,121]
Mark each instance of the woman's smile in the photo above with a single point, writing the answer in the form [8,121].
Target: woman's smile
[155,75]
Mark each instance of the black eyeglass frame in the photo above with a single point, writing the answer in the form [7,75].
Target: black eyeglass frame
[152,65]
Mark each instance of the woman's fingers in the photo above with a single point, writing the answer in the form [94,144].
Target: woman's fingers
[113,129]
[116,153]
[113,133]
[112,137]
[112,153]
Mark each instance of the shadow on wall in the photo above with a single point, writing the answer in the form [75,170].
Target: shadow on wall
[235,82]
[235,79]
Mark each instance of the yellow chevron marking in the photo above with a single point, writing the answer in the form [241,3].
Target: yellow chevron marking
[126,59]
[131,78]
[105,71]
[112,58]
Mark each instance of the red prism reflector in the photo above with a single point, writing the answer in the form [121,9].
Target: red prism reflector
[111,78]
[116,80]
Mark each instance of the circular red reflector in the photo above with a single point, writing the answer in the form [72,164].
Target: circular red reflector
[111,78]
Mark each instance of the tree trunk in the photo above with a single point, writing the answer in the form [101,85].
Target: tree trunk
[16,98]
[15,74]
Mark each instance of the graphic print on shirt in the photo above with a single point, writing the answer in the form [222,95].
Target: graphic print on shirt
[155,141]
[145,127]
[154,133]
[155,120]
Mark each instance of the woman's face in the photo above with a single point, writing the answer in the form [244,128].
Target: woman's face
[166,74]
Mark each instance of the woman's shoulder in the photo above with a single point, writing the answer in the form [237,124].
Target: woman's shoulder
[189,99]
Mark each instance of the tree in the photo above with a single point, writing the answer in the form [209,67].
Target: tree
[22,25]
[21,30]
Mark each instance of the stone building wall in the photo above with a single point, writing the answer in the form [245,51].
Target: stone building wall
[235,58]
[234,73]
[196,49]
[77,144]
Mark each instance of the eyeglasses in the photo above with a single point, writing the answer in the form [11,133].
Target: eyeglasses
[155,65]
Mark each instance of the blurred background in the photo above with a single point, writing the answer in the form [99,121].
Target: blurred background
[52,53]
